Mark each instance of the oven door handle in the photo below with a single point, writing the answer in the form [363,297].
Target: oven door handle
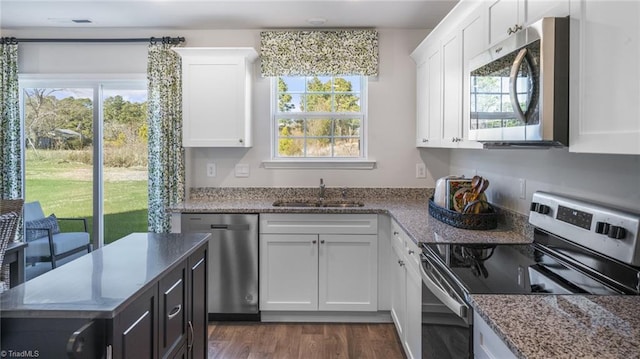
[436,286]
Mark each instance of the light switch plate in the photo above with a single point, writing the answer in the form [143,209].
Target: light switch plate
[242,170]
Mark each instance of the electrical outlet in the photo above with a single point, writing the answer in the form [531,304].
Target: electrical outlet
[523,188]
[421,170]
[211,169]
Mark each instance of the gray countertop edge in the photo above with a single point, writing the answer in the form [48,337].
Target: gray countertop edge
[40,310]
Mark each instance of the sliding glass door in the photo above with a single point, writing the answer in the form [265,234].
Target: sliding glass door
[86,153]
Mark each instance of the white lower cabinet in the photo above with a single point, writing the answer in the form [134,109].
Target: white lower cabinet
[486,343]
[413,335]
[330,264]
[399,294]
[406,295]
[288,272]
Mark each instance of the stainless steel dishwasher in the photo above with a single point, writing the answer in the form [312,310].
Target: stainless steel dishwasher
[233,263]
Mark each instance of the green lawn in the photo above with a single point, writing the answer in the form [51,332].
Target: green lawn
[65,188]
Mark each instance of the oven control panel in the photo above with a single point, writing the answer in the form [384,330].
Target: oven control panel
[612,232]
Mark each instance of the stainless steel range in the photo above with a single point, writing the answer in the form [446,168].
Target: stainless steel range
[578,247]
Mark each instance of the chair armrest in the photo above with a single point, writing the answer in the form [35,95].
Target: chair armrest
[84,221]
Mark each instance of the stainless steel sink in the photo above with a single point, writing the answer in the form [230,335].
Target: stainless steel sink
[317,203]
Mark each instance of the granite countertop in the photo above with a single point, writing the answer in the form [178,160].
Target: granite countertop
[564,326]
[409,207]
[99,284]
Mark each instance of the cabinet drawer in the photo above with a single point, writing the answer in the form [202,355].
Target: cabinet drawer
[408,251]
[319,223]
[398,237]
[172,309]
[412,255]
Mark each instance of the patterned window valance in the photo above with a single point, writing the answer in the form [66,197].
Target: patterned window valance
[317,53]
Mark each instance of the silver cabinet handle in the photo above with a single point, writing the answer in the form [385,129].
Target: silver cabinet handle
[401,263]
[424,140]
[175,311]
[395,233]
[313,241]
[411,251]
[322,241]
[241,140]
[190,342]
[498,50]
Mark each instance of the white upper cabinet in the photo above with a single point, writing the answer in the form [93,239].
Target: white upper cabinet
[605,77]
[537,9]
[216,96]
[474,41]
[428,94]
[505,18]
[451,90]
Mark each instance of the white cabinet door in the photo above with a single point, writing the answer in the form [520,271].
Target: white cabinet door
[413,332]
[451,90]
[605,77]
[428,94]
[288,272]
[434,95]
[486,343]
[398,293]
[537,9]
[474,41]
[348,272]
[216,96]
[505,16]
[422,104]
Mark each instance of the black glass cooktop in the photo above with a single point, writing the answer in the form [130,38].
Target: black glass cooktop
[551,265]
[484,269]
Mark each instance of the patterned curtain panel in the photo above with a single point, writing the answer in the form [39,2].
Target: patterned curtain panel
[166,155]
[317,53]
[10,149]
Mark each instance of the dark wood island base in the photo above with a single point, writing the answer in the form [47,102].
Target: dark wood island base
[143,296]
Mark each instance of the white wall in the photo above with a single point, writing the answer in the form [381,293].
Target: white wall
[609,179]
[391,113]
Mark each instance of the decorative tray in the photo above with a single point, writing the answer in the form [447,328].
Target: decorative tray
[480,221]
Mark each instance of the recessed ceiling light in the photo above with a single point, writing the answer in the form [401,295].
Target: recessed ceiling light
[82,21]
[316,21]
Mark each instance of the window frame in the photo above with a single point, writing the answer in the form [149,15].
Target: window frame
[97,83]
[319,162]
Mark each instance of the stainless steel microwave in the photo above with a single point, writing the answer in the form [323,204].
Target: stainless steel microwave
[519,91]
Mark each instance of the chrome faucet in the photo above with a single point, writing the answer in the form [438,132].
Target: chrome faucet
[321,194]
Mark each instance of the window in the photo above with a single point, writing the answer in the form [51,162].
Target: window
[319,117]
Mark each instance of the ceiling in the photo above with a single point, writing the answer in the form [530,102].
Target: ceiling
[223,14]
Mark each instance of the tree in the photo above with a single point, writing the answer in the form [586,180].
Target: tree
[284,99]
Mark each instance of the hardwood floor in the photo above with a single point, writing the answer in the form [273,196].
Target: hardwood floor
[240,340]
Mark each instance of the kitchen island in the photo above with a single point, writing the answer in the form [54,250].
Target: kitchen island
[118,299]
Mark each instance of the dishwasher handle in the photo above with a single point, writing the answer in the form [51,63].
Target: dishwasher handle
[231,227]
